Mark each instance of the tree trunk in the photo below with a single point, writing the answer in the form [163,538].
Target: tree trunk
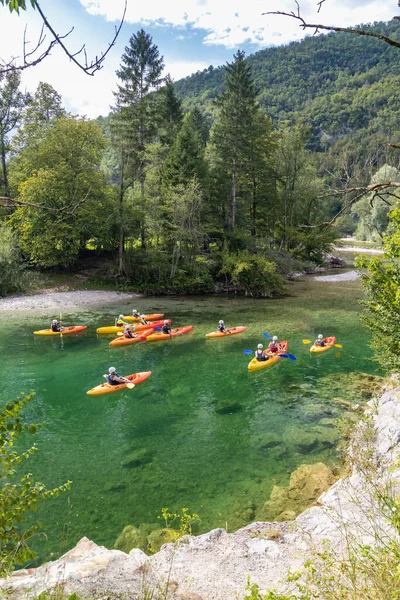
[233,223]
[4,167]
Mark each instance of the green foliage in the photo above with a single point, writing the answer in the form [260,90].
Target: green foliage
[11,265]
[15,5]
[253,273]
[18,494]
[183,519]
[63,193]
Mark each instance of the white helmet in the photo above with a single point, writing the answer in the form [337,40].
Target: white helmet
[55,321]
[165,321]
[260,346]
[320,336]
[112,370]
[142,316]
[127,326]
[221,322]
[274,339]
[134,310]
[121,316]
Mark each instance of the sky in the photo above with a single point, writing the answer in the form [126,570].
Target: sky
[190,34]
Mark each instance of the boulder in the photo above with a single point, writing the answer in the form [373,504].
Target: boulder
[268,440]
[162,536]
[130,538]
[306,484]
[303,441]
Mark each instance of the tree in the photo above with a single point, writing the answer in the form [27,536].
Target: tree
[18,494]
[137,107]
[171,113]
[230,134]
[35,55]
[12,101]
[63,196]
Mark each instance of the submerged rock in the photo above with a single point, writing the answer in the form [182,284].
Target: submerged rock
[135,537]
[268,440]
[227,406]
[159,537]
[306,484]
[137,459]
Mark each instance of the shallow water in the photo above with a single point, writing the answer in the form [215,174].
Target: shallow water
[216,464]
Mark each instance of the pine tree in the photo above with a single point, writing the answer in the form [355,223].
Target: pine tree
[171,113]
[238,107]
[140,75]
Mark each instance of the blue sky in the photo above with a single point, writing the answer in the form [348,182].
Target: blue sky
[190,34]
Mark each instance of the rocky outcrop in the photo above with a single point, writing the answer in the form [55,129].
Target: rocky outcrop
[215,566]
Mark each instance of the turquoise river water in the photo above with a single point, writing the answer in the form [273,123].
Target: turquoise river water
[215,463]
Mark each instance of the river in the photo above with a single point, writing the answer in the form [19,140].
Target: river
[202,424]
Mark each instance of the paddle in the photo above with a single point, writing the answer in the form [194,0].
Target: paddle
[60,325]
[291,356]
[266,335]
[130,386]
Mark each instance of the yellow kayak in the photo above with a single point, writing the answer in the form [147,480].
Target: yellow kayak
[151,317]
[329,341]
[140,327]
[257,365]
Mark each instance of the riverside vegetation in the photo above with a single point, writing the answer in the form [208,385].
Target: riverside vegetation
[217,179]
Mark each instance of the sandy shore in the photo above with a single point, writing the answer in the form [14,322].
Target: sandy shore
[348,276]
[56,301]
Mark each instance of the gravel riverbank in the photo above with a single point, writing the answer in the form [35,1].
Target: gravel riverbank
[56,301]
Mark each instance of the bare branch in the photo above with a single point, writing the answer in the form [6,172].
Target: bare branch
[318,26]
[69,209]
[88,67]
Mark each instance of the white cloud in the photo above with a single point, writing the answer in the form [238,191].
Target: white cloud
[180,68]
[235,22]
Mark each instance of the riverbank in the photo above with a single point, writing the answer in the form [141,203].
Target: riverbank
[56,301]
[216,565]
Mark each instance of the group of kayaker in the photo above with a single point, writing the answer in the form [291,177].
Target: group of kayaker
[273,348]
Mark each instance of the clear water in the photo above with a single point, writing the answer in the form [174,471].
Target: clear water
[212,463]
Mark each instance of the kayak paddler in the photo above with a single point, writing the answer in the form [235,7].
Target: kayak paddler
[273,347]
[320,341]
[56,326]
[114,379]
[135,314]
[120,321]
[259,354]
[128,333]
[166,328]
[221,327]
[143,320]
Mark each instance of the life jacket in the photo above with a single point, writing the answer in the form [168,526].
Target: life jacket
[110,378]
[143,321]
[166,329]
[221,328]
[259,355]
[54,327]
[128,333]
[120,323]
[273,347]
[136,315]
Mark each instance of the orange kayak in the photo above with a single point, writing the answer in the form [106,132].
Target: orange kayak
[178,331]
[107,388]
[151,317]
[65,330]
[329,341]
[138,337]
[230,331]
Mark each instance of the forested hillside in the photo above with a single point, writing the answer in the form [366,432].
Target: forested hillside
[339,84]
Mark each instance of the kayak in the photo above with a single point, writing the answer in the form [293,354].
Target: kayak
[138,337]
[107,388]
[257,365]
[65,331]
[115,329]
[178,331]
[231,331]
[329,341]
[151,317]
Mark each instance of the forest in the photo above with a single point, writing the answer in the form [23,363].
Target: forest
[232,179]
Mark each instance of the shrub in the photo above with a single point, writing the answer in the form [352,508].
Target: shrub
[11,265]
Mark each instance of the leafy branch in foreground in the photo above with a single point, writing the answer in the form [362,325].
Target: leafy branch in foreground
[18,495]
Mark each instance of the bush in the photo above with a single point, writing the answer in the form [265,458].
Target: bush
[252,273]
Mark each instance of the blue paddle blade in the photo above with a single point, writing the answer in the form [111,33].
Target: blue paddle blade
[292,357]
[158,328]
[247,351]
[267,336]
[284,355]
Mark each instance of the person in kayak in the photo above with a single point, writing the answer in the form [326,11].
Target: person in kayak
[120,321]
[143,320]
[128,333]
[320,341]
[166,328]
[222,328]
[114,379]
[56,326]
[135,314]
[273,347]
[259,353]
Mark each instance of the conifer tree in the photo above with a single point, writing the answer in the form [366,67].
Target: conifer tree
[140,75]
[171,113]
